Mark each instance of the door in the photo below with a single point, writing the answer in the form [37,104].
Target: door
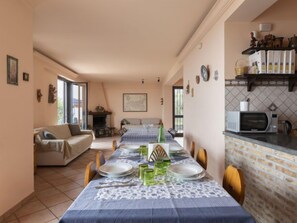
[178,109]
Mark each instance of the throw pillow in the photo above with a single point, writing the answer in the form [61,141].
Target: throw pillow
[74,129]
[125,122]
[49,135]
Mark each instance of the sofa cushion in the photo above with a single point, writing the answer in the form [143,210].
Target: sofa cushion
[153,121]
[79,142]
[48,135]
[74,129]
[134,121]
[60,131]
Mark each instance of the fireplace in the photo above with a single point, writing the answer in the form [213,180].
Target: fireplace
[100,123]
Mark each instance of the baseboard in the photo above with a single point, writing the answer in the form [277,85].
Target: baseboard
[15,207]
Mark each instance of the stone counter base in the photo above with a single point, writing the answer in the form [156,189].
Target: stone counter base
[270,178]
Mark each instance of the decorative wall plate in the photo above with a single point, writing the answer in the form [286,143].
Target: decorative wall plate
[204,73]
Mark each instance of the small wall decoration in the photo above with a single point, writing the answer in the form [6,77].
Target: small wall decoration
[197,79]
[51,94]
[135,102]
[188,88]
[216,75]
[39,95]
[12,70]
[25,76]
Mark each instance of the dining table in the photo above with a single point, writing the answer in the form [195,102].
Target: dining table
[169,199]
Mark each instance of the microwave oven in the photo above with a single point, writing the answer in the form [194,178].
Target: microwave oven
[252,122]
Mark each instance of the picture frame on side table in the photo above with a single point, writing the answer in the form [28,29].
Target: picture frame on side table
[135,102]
[12,70]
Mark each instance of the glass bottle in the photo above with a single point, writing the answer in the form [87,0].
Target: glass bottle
[161,136]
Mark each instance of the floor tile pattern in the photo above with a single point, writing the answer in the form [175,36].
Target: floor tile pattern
[57,187]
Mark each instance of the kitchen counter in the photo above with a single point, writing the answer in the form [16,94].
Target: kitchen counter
[269,165]
[281,142]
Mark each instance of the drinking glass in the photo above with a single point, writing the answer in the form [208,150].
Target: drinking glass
[143,151]
[148,176]
[159,168]
[142,167]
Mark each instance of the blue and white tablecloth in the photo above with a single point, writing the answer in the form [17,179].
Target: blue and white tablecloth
[170,200]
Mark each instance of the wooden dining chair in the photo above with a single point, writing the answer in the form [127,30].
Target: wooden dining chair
[233,182]
[192,149]
[201,157]
[100,160]
[114,145]
[90,172]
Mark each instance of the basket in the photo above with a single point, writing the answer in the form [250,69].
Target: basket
[241,67]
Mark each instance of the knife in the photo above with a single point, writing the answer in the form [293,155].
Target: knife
[116,185]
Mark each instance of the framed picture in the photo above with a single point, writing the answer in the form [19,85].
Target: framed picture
[25,76]
[135,102]
[12,70]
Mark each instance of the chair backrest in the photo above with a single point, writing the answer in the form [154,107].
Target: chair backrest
[100,160]
[201,157]
[90,172]
[192,149]
[233,182]
[114,145]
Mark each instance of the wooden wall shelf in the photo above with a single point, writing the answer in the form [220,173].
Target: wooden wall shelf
[252,50]
[252,78]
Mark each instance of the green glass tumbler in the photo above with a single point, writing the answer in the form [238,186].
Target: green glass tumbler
[159,168]
[166,162]
[142,167]
[143,150]
[148,177]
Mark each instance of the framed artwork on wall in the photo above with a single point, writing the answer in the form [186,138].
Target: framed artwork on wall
[12,70]
[135,102]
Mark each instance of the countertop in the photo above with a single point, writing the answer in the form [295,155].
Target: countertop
[281,142]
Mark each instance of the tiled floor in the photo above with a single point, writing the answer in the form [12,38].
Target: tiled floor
[57,187]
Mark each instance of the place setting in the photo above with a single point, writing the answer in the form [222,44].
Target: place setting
[186,171]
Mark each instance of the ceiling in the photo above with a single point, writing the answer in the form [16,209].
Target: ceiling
[116,40]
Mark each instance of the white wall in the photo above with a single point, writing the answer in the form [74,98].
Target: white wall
[114,97]
[282,15]
[16,113]
[46,71]
[204,113]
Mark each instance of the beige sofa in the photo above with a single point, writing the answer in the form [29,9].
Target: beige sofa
[59,144]
[129,123]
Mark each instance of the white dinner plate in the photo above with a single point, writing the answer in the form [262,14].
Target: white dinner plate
[175,149]
[115,168]
[185,170]
[195,177]
[131,148]
[117,175]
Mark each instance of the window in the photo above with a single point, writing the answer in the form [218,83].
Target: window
[72,102]
[178,110]
[62,101]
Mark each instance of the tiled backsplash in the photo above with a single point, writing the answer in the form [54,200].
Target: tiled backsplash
[261,97]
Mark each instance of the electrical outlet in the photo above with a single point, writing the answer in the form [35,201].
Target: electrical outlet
[265,27]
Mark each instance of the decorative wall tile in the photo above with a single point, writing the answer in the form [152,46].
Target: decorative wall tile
[262,97]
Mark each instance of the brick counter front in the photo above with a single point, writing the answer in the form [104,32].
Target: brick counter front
[270,178]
